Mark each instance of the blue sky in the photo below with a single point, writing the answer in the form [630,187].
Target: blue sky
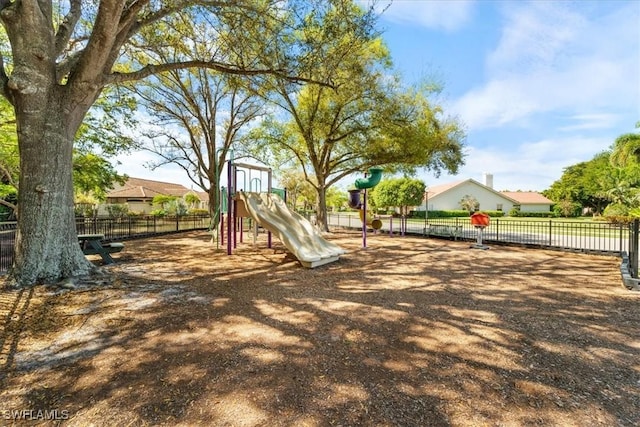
[539,85]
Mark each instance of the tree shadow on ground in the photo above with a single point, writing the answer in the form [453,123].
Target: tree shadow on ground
[406,332]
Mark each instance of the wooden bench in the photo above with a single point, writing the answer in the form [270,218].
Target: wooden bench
[443,230]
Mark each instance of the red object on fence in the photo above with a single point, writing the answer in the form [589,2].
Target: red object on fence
[480,219]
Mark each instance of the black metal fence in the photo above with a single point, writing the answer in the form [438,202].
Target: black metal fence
[575,236]
[135,227]
[113,229]
[7,240]
[589,237]
[634,229]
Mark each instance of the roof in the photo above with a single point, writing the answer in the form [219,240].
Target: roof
[527,197]
[443,188]
[518,197]
[146,188]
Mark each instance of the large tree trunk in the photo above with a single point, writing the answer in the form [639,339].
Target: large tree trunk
[321,209]
[48,114]
[214,210]
[47,248]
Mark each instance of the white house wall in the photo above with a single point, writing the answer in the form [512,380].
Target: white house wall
[450,200]
[533,207]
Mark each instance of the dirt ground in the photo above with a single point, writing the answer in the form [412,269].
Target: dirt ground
[408,332]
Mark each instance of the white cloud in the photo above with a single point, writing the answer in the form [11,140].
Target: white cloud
[444,15]
[533,37]
[551,59]
[532,165]
[590,122]
[497,103]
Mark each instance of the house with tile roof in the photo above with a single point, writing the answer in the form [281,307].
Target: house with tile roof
[138,194]
[448,197]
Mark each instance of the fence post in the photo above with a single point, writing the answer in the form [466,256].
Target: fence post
[633,249]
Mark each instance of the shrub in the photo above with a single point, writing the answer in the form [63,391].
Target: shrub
[117,210]
[567,209]
[451,214]
[176,207]
[635,212]
[85,210]
[446,214]
[617,213]
[616,209]
[494,214]
[198,212]
[520,214]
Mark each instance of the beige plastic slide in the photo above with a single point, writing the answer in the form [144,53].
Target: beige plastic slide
[294,230]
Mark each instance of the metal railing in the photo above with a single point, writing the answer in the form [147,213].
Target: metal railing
[112,228]
[587,237]
[633,248]
[575,236]
[135,227]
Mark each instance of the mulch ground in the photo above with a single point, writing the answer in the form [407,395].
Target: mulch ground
[408,332]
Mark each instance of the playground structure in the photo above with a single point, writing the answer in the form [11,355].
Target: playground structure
[236,213]
[371,221]
[298,234]
[370,180]
[269,210]
[480,221]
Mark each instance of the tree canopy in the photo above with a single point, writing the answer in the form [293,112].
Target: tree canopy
[97,141]
[595,184]
[399,192]
[9,160]
[62,56]
[368,119]
[626,149]
[197,117]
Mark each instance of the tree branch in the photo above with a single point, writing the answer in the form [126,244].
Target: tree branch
[67,26]
[7,175]
[150,70]
[8,204]
[64,67]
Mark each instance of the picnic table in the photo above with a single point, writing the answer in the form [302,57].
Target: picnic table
[91,244]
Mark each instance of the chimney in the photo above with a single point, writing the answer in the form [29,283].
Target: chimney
[487,179]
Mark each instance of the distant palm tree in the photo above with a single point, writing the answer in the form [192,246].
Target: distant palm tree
[626,149]
[622,193]
[192,200]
